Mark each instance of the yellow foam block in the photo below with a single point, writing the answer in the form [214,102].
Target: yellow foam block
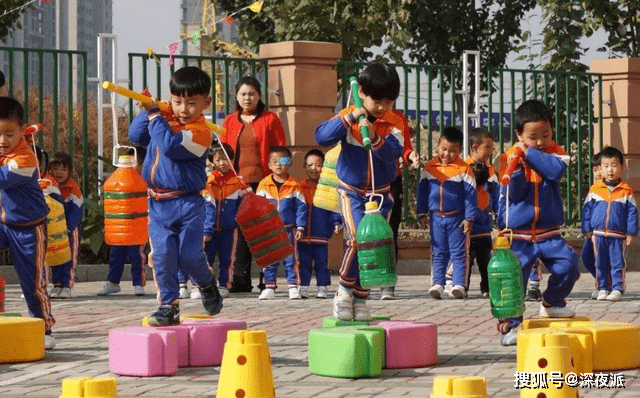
[547,353]
[459,387]
[87,387]
[183,317]
[546,322]
[22,339]
[246,366]
[580,341]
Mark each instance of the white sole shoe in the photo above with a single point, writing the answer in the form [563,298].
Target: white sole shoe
[49,341]
[267,294]
[458,292]
[138,290]
[343,306]
[109,288]
[436,291]
[556,312]
[615,295]
[602,295]
[294,294]
[361,312]
[322,292]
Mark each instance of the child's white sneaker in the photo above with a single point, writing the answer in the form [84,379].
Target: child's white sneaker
[49,341]
[267,294]
[109,288]
[448,286]
[304,291]
[294,294]
[55,292]
[138,290]
[556,312]
[195,293]
[602,295]
[436,291]
[343,305]
[594,294]
[184,293]
[65,292]
[361,311]
[509,338]
[322,292]
[615,295]
[458,292]
[224,292]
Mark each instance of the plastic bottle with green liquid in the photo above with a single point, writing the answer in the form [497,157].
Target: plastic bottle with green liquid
[376,250]
[506,287]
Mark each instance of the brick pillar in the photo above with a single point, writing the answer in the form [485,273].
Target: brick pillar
[303,74]
[621,122]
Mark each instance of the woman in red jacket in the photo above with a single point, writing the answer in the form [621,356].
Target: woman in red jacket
[251,131]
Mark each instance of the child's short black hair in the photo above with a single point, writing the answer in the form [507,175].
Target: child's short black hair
[253,82]
[10,109]
[596,159]
[481,172]
[453,135]
[61,158]
[140,151]
[190,81]
[282,150]
[380,82]
[612,152]
[477,134]
[314,152]
[532,111]
[217,149]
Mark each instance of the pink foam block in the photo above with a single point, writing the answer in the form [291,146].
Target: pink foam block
[410,344]
[143,351]
[207,338]
[182,338]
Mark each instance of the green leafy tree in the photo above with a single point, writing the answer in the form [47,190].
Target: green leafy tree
[9,21]
[620,19]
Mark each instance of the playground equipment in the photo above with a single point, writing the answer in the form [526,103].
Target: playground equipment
[326,196]
[459,387]
[87,387]
[22,339]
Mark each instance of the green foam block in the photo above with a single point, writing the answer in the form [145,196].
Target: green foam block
[9,314]
[349,351]
[331,321]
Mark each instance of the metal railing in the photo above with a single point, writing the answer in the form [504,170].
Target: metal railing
[570,96]
[224,72]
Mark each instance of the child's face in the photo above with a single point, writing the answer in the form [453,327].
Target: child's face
[279,165]
[188,109]
[248,98]
[313,167]
[538,134]
[221,162]
[611,168]
[375,107]
[482,151]
[448,152]
[597,173]
[10,135]
[60,172]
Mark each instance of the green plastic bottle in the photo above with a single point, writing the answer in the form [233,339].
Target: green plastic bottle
[506,287]
[376,250]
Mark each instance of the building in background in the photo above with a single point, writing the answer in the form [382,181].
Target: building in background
[80,22]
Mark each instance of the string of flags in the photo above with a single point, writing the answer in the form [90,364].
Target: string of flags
[21,7]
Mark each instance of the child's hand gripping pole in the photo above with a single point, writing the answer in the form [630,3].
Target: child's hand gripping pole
[511,165]
[145,99]
[366,141]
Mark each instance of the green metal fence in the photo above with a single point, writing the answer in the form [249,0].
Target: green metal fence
[570,96]
[224,72]
[427,101]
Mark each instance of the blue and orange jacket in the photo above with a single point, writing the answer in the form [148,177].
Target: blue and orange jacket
[447,189]
[222,196]
[488,197]
[320,222]
[535,204]
[21,199]
[353,167]
[289,200]
[73,203]
[610,213]
[176,153]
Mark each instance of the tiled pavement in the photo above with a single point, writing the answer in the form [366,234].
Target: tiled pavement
[467,342]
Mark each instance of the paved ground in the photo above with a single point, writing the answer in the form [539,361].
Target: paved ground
[467,343]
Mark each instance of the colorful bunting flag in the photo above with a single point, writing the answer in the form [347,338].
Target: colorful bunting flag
[196,36]
[257,6]
[153,55]
[173,48]
[229,19]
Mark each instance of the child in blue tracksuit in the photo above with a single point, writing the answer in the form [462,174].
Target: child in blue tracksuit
[587,255]
[610,220]
[447,194]
[118,254]
[177,145]
[24,214]
[379,87]
[63,276]
[284,191]
[313,248]
[535,212]
[223,195]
